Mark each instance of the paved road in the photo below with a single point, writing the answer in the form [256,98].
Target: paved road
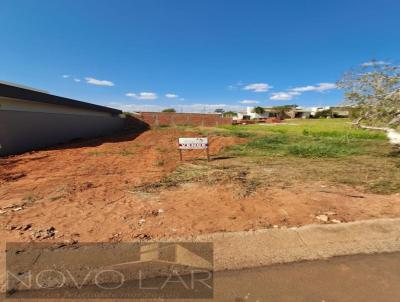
[352,278]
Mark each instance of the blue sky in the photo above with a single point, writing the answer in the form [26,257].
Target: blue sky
[194,55]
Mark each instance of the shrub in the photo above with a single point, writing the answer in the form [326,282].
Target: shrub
[169,110]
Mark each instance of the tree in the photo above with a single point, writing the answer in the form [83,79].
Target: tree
[219,110]
[324,113]
[259,110]
[373,90]
[169,110]
[281,111]
[229,114]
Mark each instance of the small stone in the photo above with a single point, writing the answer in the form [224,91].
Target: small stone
[160,211]
[51,231]
[2,212]
[142,221]
[330,213]
[17,209]
[142,236]
[26,227]
[275,226]
[36,234]
[11,206]
[336,221]
[323,218]
[70,241]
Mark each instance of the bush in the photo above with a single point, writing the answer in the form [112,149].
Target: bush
[169,110]
[324,113]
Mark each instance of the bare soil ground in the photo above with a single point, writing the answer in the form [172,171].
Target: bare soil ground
[134,187]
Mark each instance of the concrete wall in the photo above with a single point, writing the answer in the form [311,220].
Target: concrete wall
[22,131]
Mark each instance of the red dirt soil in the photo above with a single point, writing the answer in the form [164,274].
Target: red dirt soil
[85,192]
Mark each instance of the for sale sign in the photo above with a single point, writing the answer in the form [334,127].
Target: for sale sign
[193,143]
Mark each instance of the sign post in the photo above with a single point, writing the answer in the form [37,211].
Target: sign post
[193,143]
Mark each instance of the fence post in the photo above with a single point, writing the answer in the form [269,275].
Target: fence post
[156,122]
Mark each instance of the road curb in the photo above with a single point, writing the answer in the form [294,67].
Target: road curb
[241,250]
[250,249]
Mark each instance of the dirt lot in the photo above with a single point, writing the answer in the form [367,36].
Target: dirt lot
[134,187]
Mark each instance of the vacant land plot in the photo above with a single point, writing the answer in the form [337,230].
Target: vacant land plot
[327,150]
[134,187]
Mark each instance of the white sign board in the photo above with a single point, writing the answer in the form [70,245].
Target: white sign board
[193,143]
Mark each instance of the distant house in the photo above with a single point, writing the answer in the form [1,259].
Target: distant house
[31,119]
[316,110]
[334,112]
[268,112]
[289,111]
[241,115]
[299,112]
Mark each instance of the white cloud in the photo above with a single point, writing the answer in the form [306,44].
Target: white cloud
[171,96]
[291,93]
[258,87]
[249,102]
[65,76]
[304,88]
[77,80]
[372,63]
[283,96]
[142,95]
[97,82]
[319,87]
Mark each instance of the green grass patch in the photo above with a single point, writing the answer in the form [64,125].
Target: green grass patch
[311,138]
[307,138]
[285,145]
[325,149]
